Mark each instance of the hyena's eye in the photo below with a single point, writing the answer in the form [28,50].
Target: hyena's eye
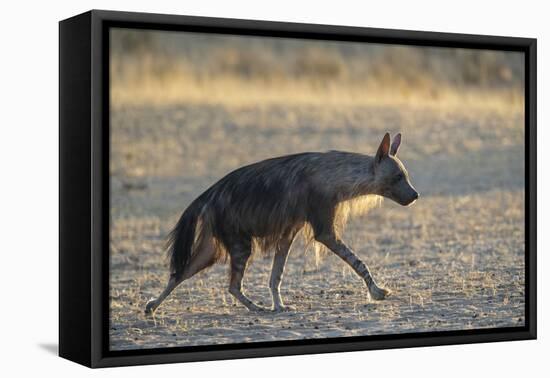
[398,177]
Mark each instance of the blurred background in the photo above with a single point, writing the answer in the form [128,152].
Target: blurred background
[172,66]
[188,108]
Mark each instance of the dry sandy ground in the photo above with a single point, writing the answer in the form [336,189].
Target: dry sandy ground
[454,260]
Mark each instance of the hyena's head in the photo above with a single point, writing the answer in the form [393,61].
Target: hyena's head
[391,179]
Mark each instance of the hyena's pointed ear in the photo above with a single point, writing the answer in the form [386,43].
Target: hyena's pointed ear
[395,144]
[383,149]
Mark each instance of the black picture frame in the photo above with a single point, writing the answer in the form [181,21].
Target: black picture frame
[84,187]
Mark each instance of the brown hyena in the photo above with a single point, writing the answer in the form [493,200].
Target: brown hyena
[270,202]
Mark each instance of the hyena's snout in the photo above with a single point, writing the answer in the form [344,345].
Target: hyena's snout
[414,196]
[406,195]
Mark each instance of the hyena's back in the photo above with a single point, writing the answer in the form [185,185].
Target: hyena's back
[266,198]
[262,199]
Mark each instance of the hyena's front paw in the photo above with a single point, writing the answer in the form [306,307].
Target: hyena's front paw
[150,307]
[379,293]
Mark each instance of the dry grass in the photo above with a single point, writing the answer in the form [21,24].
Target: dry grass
[182,89]
[153,68]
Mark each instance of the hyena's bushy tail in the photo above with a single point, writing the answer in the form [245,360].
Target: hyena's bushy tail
[184,237]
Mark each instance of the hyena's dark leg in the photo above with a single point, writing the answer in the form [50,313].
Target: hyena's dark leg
[345,253]
[152,305]
[240,253]
[279,261]
[205,257]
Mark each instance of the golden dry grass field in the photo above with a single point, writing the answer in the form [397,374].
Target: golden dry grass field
[183,117]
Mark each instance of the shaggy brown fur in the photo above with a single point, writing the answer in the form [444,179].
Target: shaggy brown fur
[263,206]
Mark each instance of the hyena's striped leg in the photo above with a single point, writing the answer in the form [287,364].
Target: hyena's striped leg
[346,254]
[240,253]
[279,261]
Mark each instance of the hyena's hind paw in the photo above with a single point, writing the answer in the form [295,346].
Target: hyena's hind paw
[379,293]
[284,308]
[255,308]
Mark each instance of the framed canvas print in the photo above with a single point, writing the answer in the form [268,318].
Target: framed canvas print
[234,188]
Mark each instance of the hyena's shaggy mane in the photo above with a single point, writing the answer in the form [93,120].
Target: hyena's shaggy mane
[345,210]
